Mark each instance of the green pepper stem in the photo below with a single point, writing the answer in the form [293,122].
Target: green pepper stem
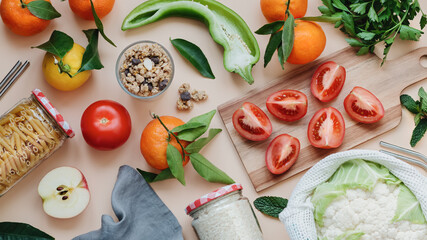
[155,116]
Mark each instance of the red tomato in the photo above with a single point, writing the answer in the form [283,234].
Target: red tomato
[252,123]
[363,106]
[106,125]
[287,105]
[282,153]
[326,129]
[327,81]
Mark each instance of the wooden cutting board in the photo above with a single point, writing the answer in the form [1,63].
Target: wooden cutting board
[385,82]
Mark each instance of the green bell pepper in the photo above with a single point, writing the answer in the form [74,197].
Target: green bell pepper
[227,28]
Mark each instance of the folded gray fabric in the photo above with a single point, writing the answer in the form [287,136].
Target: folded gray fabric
[141,213]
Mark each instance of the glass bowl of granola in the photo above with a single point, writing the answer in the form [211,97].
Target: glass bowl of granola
[145,69]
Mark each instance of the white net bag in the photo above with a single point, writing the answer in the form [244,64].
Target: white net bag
[298,215]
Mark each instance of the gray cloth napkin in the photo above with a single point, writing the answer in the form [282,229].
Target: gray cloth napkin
[141,213]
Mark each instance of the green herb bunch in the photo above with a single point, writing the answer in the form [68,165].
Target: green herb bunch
[369,22]
[419,108]
[190,132]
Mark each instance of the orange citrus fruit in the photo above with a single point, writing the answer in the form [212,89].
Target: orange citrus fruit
[154,141]
[83,8]
[309,42]
[274,10]
[19,19]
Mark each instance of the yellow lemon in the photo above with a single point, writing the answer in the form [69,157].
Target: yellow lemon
[72,62]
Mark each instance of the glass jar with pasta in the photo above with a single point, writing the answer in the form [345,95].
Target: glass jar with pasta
[29,133]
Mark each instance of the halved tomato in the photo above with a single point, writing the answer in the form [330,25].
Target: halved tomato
[252,123]
[282,153]
[326,129]
[327,81]
[363,106]
[287,105]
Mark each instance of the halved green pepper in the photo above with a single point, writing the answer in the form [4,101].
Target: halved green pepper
[227,28]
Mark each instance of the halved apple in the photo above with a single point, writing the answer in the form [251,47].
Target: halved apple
[65,192]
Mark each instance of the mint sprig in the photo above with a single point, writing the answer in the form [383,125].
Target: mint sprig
[271,206]
[419,108]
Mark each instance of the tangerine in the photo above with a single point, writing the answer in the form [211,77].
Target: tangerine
[83,8]
[154,141]
[274,10]
[19,19]
[309,42]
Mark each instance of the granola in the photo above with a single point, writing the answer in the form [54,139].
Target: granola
[146,70]
[187,96]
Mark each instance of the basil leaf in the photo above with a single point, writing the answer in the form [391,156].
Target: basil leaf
[43,10]
[270,28]
[197,145]
[59,44]
[15,230]
[208,171]
[99,25]
[271,206]
[273,44]
[174,158]
[354,42]
[91,55]
[194,55]
[409,103]
[418,132]
[153,177]
[409,33]
[193,133]
[288,37]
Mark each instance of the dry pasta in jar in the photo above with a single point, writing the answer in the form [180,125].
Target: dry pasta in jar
[29,133]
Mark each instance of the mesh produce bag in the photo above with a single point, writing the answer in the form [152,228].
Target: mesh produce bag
[298,215]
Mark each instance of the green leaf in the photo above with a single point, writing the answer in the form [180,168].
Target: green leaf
[372,14]
[193,133]
[91,55]
[362,51]
[354,42]
[15,230]
[328,4]
[324,10]
[270,28]
[153,177]
[194,55]
[350,235]
[197,145]
[359,8]
[174,158]
[288,37]
[409,33]
[348,21]
[409,103]
[188,126]
[423,21]
[417,118]
[408,207]
[419,132]
[366,35]
[273,44]
[280,56]
[208,171]
[271,206]
[338,4]
[43,10]
[59,44]
[423,99]
[99,25]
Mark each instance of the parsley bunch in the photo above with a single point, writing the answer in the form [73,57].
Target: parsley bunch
[419,108]
[368,22]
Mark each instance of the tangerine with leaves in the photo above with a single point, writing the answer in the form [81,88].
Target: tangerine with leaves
[19,19]
[155,139]
[274,10]
[309,42]
[83,8]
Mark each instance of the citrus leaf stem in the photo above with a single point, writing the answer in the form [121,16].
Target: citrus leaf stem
[155,116]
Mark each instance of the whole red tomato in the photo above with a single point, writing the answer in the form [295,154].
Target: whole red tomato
[106,125]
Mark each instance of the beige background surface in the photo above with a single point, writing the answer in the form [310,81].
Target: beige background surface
[22,203]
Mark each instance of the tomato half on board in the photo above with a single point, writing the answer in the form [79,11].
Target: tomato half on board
[106,125]
[326,128]
[287,105]
[363,106]
[252,123]
[327,81]
[282,153]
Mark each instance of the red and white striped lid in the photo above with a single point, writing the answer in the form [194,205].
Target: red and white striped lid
[53,112]
[213,195]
